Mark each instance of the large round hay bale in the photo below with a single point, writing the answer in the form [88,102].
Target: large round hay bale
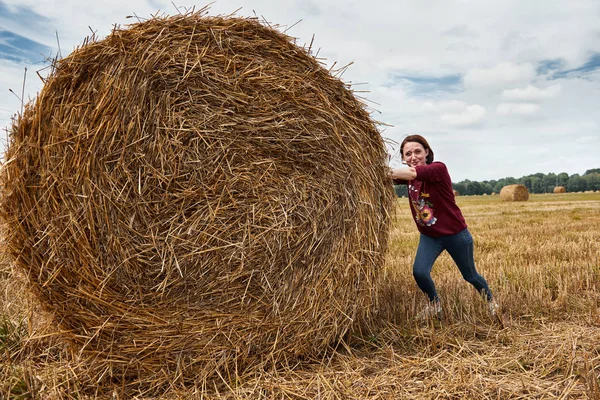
[514,193]
[559,189]
[197,194]
[456,192]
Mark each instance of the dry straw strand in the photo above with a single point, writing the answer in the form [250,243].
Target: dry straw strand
[197,196]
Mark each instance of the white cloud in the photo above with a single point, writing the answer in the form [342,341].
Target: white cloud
[520,109]
[587,139]
[470,116]
[449,106]
[532,93]
[500,75]
[456,113]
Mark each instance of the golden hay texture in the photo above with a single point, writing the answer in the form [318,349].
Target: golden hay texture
[514,193]
[195,195]
[560,189]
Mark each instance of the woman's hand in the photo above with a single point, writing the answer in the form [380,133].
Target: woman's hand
[404,173]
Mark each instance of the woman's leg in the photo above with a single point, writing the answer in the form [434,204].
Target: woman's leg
[428,251]
[460,247]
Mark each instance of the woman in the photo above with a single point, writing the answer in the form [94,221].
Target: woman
[439,220]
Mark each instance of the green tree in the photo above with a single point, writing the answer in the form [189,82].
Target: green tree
[526,181]
[474,188]
[461,187]
[401,190]
[486,188]
[576,183]
[592,180]
[499,185]
[549,181]
[536,185]
[563,179]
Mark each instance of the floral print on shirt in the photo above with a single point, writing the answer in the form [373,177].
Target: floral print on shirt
[423,207]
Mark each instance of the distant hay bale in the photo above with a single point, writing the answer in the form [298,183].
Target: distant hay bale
[456,192]
[514,193]
[493,193]
[197,195]
[559,189]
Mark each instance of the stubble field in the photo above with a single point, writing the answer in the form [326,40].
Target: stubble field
[540,257]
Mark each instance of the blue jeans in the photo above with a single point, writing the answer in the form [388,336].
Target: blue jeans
[460,248]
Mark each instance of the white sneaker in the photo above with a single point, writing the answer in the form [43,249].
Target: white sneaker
[431,310]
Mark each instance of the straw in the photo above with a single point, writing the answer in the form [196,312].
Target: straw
[195,197]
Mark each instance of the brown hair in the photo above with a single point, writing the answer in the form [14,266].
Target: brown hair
[421,140]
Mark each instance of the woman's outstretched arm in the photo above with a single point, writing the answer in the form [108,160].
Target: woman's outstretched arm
[404,174]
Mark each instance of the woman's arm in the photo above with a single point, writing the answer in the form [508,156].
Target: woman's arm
[404,173]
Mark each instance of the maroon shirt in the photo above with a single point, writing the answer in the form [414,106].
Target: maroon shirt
[432,202]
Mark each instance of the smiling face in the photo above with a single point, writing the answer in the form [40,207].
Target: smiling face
[413,154]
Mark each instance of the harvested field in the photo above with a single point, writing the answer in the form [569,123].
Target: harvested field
[541,258]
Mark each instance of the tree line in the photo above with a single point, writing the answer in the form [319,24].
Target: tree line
[535,183]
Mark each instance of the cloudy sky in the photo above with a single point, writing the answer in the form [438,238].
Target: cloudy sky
[498,87]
